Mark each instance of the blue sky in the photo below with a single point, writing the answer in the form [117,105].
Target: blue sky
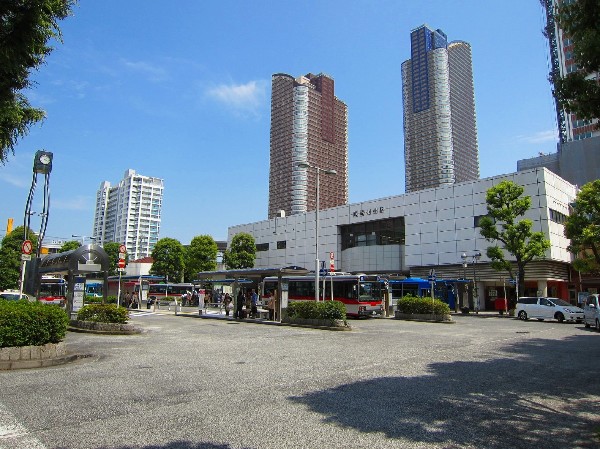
[180,90]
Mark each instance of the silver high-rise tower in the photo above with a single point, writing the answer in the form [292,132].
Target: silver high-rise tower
[440,131]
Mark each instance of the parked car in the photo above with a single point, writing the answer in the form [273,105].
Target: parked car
[591,311]
[542,308]
[13,295]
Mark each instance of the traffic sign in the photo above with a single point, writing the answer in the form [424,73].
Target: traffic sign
[25,256]
[27,247]
[122,248]
[512,281]
[331,262]
[121,263]
[122,255]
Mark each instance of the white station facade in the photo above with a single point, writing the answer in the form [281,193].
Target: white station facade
[411,234]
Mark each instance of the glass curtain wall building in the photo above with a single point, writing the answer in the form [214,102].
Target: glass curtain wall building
[129,213]
[440,131]
[308,124]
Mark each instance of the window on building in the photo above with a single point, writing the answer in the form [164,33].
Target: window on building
[372,233]
[477,220]
[281,244]
[262,247]
[557,217]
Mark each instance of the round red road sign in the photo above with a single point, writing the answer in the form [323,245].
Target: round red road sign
[27,247]
[122,248]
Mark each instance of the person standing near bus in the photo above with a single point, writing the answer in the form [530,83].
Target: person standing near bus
[239,304]
[253,301]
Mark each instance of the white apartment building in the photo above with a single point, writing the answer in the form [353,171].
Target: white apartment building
[129,213]
[412,233]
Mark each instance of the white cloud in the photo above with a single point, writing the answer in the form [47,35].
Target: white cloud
[541,137]
[79,202]
[152,72]
[15,179]
[240,97]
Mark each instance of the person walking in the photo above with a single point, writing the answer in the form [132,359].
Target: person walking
[253,305]
[271,306]
[227,303]
[239,304]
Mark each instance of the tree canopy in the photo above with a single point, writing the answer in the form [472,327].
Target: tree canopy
[505,204]
[200,255]
[10,256]
[579,92]
[583,228]
[69,246]
[168,255]
[26,26]
[241,253]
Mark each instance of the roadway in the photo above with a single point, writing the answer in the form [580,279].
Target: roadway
[190,383]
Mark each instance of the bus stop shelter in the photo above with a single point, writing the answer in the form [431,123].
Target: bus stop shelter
[258,274]
[75,264]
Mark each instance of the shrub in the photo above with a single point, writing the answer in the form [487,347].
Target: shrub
[98,300]
[24,323]
[412,304]
[326,310]
[103,313]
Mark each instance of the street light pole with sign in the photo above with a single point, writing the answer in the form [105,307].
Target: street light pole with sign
[328,172]
[120,269]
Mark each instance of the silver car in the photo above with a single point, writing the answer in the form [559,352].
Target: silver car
[591,311]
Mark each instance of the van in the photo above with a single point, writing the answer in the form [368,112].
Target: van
[591,311]
[542,308]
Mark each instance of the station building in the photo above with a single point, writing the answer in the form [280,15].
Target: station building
[412,234]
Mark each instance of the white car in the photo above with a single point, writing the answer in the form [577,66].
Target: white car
[591,311]
[13,295]
[542,308]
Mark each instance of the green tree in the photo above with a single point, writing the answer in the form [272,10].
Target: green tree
[26,26]
[579,92]
[200,255]
[168,255]
[242,252]
[505,204]
[583,228]
[112,251]
[10,256]
[69,246]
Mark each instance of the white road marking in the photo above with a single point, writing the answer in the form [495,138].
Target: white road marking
[14,435]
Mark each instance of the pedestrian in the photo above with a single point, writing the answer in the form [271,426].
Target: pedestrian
[254,301]
[200,303]
[239,304]
[227,304]
[195,298]
[271,306]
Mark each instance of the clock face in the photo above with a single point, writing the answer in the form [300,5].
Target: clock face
[45,159]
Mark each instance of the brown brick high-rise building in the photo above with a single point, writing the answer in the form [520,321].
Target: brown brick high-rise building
[308,124]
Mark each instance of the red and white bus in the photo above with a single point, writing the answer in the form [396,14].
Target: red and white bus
[363,295]
[53,290]
[159,291]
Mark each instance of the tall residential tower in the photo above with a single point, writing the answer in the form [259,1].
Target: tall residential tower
[129,213]
[561,57]
[308,124]
[440,131]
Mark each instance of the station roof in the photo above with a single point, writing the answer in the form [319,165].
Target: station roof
[237,274]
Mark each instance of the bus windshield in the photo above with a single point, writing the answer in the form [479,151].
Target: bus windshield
[368,291]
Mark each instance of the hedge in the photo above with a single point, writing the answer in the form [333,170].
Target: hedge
[103,313]
[322,310]
[98,300]
[414,305]
[24,323]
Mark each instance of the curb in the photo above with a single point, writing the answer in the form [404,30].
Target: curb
[42,363]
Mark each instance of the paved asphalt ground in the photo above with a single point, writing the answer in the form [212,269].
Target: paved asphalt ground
[190,383]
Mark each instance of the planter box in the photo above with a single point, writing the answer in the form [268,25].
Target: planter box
[20,357]
[316,323]
[108,328]
[422,317]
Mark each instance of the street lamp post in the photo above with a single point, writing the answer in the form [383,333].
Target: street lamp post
[328,172]
[474,259]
